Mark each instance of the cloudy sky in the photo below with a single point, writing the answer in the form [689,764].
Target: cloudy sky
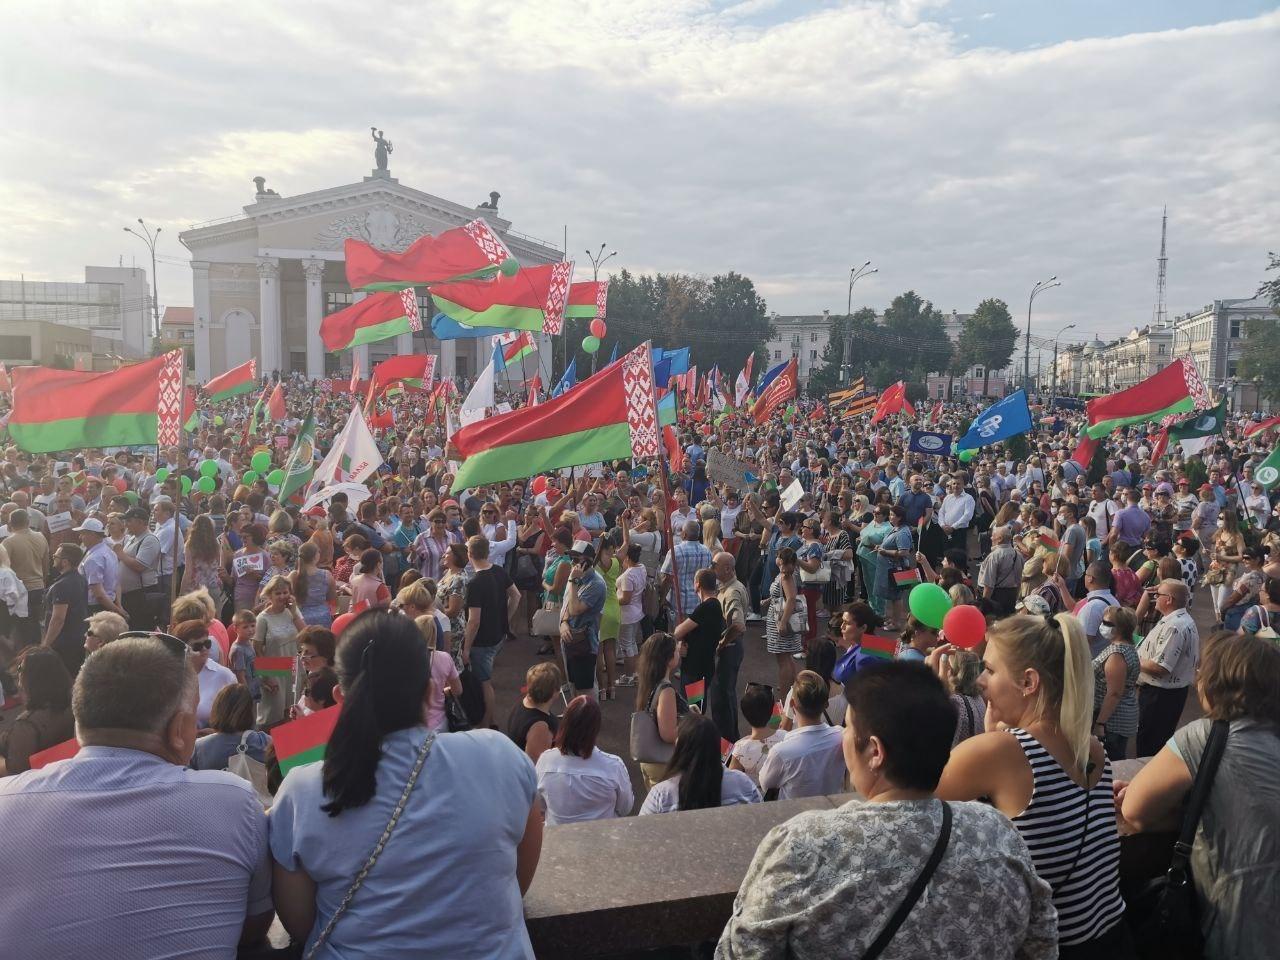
[967,148]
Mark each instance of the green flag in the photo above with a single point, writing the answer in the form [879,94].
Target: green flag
[1204,423]
[1268,471]
[302,460]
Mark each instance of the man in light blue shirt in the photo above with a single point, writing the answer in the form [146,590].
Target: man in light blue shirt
[121,851]
[691,556]
[100,567]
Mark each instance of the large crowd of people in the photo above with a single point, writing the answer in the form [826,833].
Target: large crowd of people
[151,618]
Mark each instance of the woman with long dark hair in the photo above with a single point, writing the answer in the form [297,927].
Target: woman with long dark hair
[385,787]
[696,777]
[659,695]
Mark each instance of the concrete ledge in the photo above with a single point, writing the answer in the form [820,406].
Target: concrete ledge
[613,887]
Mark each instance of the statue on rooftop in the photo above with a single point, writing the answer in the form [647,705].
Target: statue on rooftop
[382,150]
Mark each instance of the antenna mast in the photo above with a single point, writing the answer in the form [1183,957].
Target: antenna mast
[1161,311]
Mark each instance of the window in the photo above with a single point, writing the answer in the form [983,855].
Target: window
[977,372]
[813,354]
[1231,369]
[1235,328]
[1161,350]
[813,336]
[777,354]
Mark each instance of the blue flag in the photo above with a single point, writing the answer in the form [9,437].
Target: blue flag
[1003,419]
[446,328]
[568,380]
[770,376]
[925,441]
[668,364]
[614,356]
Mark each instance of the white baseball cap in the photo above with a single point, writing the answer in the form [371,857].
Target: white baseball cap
[92,525]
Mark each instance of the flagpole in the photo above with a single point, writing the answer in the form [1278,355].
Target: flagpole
[177,507]
[666,487]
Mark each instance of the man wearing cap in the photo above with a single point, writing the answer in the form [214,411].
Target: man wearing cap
[100,568]
[1257,505]
[1163,513]
[139,557]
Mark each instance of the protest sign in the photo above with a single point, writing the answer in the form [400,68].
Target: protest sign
[722,468]
[791,496]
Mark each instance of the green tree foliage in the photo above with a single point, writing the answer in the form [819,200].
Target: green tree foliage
[722,320]
[914,337]
[1260,358]
[988,338]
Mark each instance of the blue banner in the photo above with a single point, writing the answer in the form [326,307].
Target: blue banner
[770,376]
[668,364]
[925,441]
[446,328]
[569,379]
[1003,419]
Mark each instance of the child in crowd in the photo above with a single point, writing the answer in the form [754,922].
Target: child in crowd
[749,752]
[243,654]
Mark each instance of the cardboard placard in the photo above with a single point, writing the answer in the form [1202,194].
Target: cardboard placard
[791,496]
[244,565]
[58,522]
[722,468]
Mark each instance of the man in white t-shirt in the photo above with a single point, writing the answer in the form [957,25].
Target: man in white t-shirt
[1103,510]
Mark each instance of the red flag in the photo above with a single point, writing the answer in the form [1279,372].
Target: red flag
[275,406]
[1249,431]
[383,421]
[1084,451]
[893,400]
[1159,443]
[779,391]
[819,412]
[355,374]
[936,415]
[372,394]
[534,386]
[675,456]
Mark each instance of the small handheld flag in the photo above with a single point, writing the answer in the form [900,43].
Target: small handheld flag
[304,740]
[883,648]
[695,692]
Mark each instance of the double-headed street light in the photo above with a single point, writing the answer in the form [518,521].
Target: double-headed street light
[1054,393]
[856,274]
[150,238]
[1038,289]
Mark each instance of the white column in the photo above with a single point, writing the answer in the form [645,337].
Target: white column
[448,358]
[360,354]
[203,317]
[313,271]
[269,319]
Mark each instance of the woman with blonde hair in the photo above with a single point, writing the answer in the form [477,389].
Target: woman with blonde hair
[198,605]
[1039,765]
[280,527]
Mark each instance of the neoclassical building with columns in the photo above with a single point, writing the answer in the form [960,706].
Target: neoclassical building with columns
[262,282]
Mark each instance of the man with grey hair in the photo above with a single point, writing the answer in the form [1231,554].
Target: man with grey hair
[121,846]
[1168,656]
[690,557]
[1001,572]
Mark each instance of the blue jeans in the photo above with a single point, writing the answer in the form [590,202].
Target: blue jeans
[482,661]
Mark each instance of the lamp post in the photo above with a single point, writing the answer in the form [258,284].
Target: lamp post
[855,274]
[597,259]
[1039,288]
[1053,396]
[150,238]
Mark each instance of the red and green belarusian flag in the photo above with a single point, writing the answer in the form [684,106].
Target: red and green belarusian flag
[533,299]
[412,370]
[1175,390]
[775,718]
[695,692]
[587,300]
[513,346]
[275,667]
[303,740]
[57,410]
[237,380]
[376,317]
[190,412]
[884,648]
[606,417]
[472,251]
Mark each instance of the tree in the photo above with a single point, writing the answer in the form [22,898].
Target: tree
[915,337]
[1260,357]
[988,339]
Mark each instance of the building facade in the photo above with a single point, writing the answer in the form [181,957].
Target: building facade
[112,306]
[25,342]
[944,386]
[803,337]
[263,282]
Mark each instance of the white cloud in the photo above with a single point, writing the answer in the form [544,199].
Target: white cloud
[691,135]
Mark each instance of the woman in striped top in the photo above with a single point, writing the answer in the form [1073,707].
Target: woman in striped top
[1039,765]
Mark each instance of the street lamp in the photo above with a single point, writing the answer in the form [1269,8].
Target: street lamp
[1039,288]
[1054,393]
[150,239]
[856,274]
[597,259]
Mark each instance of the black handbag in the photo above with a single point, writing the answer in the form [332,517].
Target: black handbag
[455,716]
[1165,915]
[472,699]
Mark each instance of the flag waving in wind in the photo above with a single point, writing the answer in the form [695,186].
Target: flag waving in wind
[781,388]
[1003,419]
[744,381]
[354,454]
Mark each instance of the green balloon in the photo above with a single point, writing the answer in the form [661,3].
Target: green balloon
[967,455]
[131,496]
[590,344]
[208,468]
[275,477]
[206,485]
[249,477]
[510,267]
[261,461]
[186,485]
[218,421]
[929,604]
[162,475]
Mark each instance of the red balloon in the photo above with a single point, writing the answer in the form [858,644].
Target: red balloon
[539,484]
[340,623]
[964,626]
[597,328]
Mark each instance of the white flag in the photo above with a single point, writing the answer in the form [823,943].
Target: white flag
[353,456]
[479,399]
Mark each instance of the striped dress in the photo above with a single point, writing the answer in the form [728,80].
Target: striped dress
[1087,897]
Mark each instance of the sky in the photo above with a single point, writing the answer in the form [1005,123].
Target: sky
[966,148]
